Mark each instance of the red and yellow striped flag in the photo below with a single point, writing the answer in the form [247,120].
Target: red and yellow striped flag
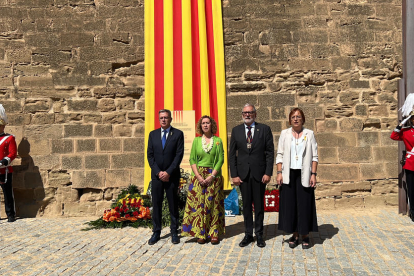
[184,64]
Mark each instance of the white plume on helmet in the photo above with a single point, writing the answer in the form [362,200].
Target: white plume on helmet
[3,116]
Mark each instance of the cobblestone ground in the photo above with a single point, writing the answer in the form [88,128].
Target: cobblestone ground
[372,242]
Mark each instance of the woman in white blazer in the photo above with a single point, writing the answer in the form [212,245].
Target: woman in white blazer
[297,161]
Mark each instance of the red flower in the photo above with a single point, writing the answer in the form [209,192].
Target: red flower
[127,216]
[117,215]
[117,208]
[135,214]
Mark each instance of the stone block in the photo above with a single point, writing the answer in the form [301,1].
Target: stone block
[103,131]
[19,119]
[35,179]
[372,171]
[105,105]
[86,145]
[353,187]
[123,131]
[101,206]
[349,98]
[77,209]
[72,162]
[137,177]
[385,186]
[247,87]
[91,195]
[100,67]
[96,161]
[83,105]
[361,110]
[88,179]
[133,144]
[351,124]
[328,155]
[114,118]
[337,111]
[366,139]
[325,204]
[374,201]
[76,39]
[378,110]
[62,146]
[127,160]
[276,100]
[328,190]
[12,107]
[112,144]
[139,130]
[47,162]
[112,92]
[111,193]
[345,172]
[351,202]
[335,139]
[43,118]
[118,178]
[67,194]
[78,130]
[125,104]
[34,106]
[92,118]
[391,199]
[391,169]
[354,154]
[385,154]
[359,84]
[58,178]
[386,140]
[42,132]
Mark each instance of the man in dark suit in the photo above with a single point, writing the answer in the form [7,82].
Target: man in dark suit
[165,152]
[251,166]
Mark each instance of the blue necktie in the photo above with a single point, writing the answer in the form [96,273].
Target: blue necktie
[164,138]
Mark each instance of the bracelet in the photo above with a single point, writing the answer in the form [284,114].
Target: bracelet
[314,173]
[213,176]
[279,172]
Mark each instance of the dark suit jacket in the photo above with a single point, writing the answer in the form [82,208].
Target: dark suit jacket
[169,158]
[258,160]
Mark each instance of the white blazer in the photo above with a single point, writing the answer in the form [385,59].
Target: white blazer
[310,154]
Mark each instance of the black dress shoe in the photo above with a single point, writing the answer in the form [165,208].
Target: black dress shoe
[11,219]
[175,239]
[246,240]
[154,238]
[260,241]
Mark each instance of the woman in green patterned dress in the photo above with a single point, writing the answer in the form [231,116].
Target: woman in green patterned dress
[204,211]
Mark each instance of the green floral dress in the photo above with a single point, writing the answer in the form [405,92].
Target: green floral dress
[204,211]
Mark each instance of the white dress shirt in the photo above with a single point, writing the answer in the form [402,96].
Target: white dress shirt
[296,150]
[247,130]
[166,134]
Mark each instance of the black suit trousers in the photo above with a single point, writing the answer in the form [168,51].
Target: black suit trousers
[8,194]
[157,192]
[253,191]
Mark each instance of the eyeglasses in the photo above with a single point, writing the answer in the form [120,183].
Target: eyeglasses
[166,118]
[248,113]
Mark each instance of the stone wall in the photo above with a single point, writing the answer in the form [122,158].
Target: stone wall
[72,82]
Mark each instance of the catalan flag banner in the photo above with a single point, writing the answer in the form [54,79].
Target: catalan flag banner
[184,64]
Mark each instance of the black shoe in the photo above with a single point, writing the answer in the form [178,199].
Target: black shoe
[246,240]
[154,238]
[305,243]
[11,219]
[293,242]
[260,241]
[175,239]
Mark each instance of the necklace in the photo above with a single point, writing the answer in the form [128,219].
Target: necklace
[297,143]
[207,147]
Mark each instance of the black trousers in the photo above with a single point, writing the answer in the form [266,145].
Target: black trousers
[157,192]
[409,177]
[297,207]
[253,192]
[8,195]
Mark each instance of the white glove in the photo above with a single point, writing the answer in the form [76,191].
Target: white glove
[405,120]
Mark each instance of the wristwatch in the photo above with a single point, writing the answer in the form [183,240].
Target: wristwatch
[314,173]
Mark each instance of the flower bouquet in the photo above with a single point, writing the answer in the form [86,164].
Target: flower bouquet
[271,201]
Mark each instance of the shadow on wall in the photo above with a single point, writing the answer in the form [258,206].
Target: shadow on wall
[28,187]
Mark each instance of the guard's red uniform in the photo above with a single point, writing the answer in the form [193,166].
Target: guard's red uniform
[8,150]
[407,136]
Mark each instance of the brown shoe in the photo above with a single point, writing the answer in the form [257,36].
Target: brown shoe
[214,240]
[201,241]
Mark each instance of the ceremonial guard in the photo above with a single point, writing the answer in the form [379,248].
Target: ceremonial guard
[8,151]
[405,132]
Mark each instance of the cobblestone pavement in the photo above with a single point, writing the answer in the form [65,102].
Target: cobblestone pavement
[370,242]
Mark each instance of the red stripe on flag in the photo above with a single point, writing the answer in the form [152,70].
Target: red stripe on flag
[178,55]
[211,63]
[196,59]
[158,58]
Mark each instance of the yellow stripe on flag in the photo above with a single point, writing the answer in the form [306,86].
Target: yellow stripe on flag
[221,84]
[168,56]
[187,56]
[149,83]
[205,96]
